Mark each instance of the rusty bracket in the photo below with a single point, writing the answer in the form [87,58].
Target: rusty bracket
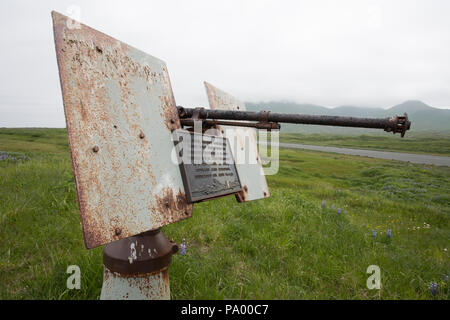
[264,123]
[197,115]
[263,116]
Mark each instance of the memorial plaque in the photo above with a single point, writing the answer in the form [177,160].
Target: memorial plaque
[207,166]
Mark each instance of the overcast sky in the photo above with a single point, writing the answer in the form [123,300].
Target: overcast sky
[366,53]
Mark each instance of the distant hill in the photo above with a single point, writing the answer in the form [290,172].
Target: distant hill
[422,116]
[412,106]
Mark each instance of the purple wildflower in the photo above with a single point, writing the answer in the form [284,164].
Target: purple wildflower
[374,233]
[323,204]
[183,247]
[339,211]
[388,233]
[433,288]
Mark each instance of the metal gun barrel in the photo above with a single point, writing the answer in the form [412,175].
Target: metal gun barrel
[396,124]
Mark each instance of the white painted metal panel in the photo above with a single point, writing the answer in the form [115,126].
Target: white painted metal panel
[120,112]
[244,147]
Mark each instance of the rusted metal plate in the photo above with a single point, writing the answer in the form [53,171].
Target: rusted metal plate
[120,112]
[207,166]
[244,147]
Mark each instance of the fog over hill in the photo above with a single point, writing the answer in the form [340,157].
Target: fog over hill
[422,116]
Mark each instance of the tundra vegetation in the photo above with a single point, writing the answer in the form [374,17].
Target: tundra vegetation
[312,239]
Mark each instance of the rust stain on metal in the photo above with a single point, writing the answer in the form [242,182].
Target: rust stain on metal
[147,286]
[169,204]
[243,195]
[135,275]
[165,276]
[113,93]
[169,114]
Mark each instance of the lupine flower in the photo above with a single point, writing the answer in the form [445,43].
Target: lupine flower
[388,233]
[374,233]
[433,288]
[332,206]
[7,156]
[323,204]
[339,211]
[183,247]
[445,277]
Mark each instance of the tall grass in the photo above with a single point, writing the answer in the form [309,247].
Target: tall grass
[283,247]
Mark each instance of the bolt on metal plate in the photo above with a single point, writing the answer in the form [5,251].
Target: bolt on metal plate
[120,113]
[244,147]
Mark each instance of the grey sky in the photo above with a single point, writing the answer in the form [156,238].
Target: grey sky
[365,53]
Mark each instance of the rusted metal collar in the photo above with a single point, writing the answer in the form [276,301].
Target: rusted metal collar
[398,124]
[147,252]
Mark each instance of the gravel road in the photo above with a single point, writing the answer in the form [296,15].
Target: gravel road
[400,156]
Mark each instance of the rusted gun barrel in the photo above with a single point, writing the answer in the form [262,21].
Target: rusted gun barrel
[270,120]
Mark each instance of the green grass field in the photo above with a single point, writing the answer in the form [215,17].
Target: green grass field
[413,142]
[284,247]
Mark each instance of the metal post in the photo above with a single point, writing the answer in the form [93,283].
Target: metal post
[137,268]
